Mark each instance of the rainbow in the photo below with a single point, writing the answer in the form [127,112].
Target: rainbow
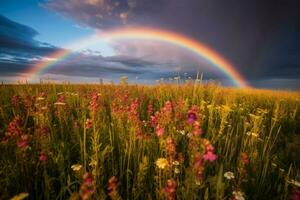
[160,35]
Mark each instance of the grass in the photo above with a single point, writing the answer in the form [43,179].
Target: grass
[148,142]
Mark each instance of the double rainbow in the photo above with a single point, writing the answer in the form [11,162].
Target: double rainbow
[160,35]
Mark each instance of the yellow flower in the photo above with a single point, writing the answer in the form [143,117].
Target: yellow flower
[161,163]
[20,196]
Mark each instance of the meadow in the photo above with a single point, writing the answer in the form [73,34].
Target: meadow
[168,141]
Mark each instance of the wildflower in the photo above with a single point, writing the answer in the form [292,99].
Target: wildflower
[60,101]
[198,167]
[167,107]
[16,100]
[229,175]
[76,167]
[244,158]
[88,124]
[112,187]
[162,163]
[23,142]
[94,105]
[43,156]
[182,132]
[198,161]
[14,127]
[75,124]
[176,163]
[150,108]
[209,147]
[170,189]
[295,194]
[180,157]
[20,196]
[87,187]
[196,128]
[238,195]
[170,146]
[43,130]
[191,117]
[176,170]
[88,179]
[210,156]
[159,130]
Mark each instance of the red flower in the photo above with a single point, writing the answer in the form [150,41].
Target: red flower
[43,156]
[14,128]
[295,194]
[23,142]
[170,189]
[88,179]
[244,158]
[87,187]
[112,186]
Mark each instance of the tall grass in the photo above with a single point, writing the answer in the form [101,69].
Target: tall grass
[148,142]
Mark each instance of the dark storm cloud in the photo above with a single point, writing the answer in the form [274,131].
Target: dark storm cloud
[19,50]
[19,39]
[129,61]
[244,32]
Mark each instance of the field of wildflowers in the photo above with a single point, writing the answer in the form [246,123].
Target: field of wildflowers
[148,142]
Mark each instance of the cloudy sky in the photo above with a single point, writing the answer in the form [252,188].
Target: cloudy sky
[260,38]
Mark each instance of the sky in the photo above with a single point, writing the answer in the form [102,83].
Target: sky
[260,39]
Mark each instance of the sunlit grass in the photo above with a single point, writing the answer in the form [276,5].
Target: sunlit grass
[183,141]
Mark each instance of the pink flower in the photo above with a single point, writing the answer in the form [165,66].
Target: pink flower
[159,130]
[23,142]
[15,127]
[150,108]
[170,146]
[43,156]
[94,105]
[88,179]
[210,147]
[75,124]
[197,131]
[244,158]
[191,117]
[61,99]
[87,187]
[16,100]
[198,161]
[153,120]
[112,186]
[43,130]
[167,107]
[88,123]
[170,189]
[295,194]
[210,156]
[196,128]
